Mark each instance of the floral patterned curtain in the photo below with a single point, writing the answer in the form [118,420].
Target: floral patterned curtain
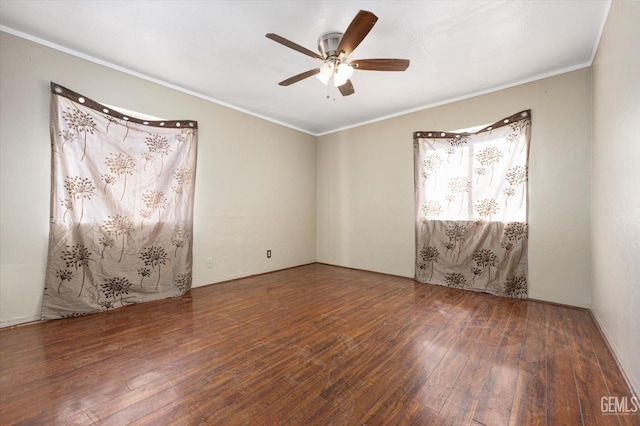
[121,207]
[471,207]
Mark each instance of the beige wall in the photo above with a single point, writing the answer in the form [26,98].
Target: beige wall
[615,205]
[365,185]
[262,186]
[255,183]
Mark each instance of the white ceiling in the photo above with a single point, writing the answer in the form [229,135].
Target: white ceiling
[218,50]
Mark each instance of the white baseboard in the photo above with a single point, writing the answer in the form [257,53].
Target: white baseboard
[21,320]
[560,301]
[635,387]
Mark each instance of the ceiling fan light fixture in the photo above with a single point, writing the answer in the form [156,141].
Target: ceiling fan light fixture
[327,68]
[337,81]
[326,71]
[343,73]
[323,78]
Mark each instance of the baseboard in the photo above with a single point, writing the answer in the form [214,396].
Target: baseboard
[17,322]
[562,305]
[634,388]
[563,302]
[366,270]
[242,277]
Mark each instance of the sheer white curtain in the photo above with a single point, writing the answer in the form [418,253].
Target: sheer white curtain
[471,207]
[121,207]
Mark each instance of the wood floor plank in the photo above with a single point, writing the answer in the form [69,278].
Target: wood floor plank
[439,365]
[563,401]
[314,345]
[482,345]
[590,381]
[614,381]
[496,400]
[530,391]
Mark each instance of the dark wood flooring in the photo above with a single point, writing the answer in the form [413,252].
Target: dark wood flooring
[314,345]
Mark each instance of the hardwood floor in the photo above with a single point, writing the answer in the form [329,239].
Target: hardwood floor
[314,345]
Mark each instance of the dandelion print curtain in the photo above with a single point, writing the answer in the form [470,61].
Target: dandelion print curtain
[471,207]
[121,207]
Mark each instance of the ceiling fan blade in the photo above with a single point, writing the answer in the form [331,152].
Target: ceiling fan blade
[297,78]
[356,32]
[347,89]
[294,46]
[380,64]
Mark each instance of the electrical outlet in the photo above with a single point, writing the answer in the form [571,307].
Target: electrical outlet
[210,262]
[268,254]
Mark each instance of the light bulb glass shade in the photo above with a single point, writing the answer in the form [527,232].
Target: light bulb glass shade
[323,78]
[326,69]
[344,71]
[339,80]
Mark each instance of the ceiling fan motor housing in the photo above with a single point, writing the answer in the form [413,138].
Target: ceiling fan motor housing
[328,43]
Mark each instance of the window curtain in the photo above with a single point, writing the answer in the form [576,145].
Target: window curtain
[471,199]
[122,193]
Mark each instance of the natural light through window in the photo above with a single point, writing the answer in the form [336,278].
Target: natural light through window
[475,180]
[471,207]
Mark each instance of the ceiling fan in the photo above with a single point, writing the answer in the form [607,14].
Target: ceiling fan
[335,47]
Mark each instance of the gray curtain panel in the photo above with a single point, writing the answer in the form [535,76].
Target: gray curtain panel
[122,192]
[471,199]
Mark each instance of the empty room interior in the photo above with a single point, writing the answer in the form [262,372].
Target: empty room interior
[194,229]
